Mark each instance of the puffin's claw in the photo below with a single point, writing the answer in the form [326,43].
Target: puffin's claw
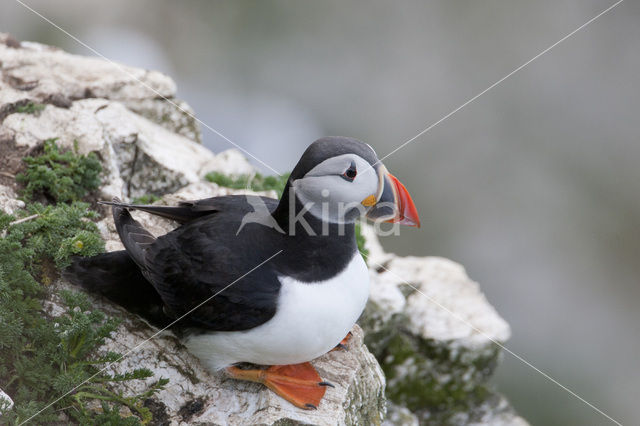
[342,346]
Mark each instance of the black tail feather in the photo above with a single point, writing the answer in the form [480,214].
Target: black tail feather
[117,277]
[182,213]
[132,234]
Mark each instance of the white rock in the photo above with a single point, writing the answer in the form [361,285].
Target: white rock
[433,330]
[377,255]
[42,74]
[139,156]
[5,402]
[172,114]
[44,71]
[445,303]
[8,200]
[231,162]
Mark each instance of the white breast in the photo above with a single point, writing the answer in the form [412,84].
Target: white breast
[311,319]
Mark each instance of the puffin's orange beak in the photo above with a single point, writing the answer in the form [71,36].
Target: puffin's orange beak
[406,214]
[394,204]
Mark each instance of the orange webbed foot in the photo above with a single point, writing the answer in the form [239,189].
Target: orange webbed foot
[300,384]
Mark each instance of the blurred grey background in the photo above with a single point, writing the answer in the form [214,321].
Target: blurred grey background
[534,187]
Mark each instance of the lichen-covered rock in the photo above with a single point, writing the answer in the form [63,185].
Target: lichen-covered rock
[397,415]
[138,155]
[40,74]
[8,200]
[197,396]
[432,357]
[127,115]
[433,332]
[172,114]
[5,402]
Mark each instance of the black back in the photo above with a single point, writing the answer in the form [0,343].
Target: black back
[199,259]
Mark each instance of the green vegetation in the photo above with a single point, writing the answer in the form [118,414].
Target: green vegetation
[59,176]
[42,357]
[30,108]
[361,242]
[145,199]
[255,182]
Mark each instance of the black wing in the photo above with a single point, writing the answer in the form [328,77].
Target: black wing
[117,277]
[205,259]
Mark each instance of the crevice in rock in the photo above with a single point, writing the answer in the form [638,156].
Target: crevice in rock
[8,109]
[159,412]
[59,100]
[191,408]
[11,161]
[133,165]
[19,84]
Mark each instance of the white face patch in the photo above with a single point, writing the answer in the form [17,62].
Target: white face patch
[330,195]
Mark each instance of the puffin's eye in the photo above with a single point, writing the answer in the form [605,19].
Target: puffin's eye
[351,173]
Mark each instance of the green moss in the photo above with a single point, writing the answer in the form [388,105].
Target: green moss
[440,378]
[431,375]
[60,176]
[145,199]
[255,182]
[380,329]
[361,242]
[30,108]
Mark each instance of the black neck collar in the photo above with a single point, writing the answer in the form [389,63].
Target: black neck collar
[316,255]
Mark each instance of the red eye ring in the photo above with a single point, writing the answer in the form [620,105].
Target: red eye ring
[351,173]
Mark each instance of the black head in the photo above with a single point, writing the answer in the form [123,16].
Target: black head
[339,179]
[331,146]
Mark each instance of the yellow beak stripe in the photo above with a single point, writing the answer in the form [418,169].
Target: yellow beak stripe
[369,201]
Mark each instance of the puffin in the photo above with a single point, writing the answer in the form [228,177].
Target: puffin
[255,286]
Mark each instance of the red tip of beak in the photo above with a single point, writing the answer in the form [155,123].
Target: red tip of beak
[407,212]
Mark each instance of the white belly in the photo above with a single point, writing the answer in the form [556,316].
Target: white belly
[311,319]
